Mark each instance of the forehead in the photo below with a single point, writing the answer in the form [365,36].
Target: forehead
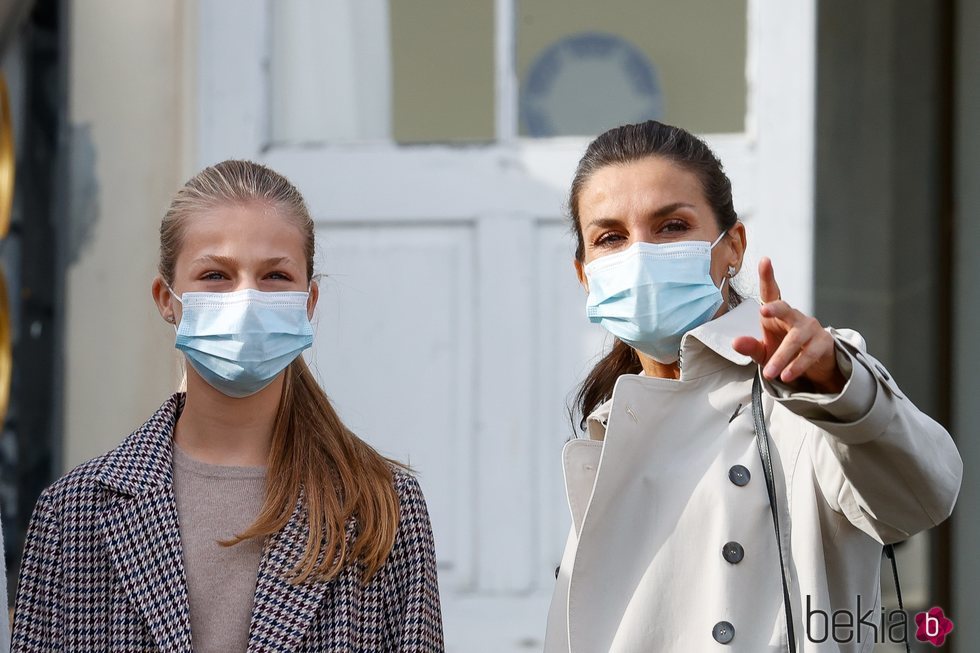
[245,232]
[643,185]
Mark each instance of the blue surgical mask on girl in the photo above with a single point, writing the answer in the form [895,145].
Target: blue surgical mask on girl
[650,295]
[240,341]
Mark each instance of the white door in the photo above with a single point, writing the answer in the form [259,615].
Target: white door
[427,139]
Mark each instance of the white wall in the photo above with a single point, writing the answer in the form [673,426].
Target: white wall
[128,97]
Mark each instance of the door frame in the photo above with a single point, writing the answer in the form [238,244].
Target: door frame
[515,183]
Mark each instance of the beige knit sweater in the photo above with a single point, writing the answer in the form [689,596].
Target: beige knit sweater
[215,502]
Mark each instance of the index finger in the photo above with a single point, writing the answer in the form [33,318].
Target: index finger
[768,288]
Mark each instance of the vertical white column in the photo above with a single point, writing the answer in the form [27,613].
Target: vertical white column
[782,74]
[372,74]
[232,118]
[330,70]
[505,38]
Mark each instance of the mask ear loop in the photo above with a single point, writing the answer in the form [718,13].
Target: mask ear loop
[182,384]
[731,270]
[718,239]
[173,293]
[722,286]
[173,318]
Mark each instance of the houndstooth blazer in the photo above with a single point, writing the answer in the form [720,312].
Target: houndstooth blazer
[103,571]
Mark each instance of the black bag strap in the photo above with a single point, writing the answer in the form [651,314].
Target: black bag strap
[889,551]
[762,438]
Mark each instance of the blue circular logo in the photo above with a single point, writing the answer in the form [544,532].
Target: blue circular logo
[586,83]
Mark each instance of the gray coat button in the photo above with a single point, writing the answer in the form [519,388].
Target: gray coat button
[739,475]
[733,552]
[882,371]
[723,632]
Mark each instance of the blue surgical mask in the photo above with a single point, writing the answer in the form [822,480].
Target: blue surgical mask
[650,295]
[240,341]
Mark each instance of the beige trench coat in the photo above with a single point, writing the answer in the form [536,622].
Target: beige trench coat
[655,500]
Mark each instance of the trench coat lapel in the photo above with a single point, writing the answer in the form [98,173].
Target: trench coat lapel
[284,611]
[140,528]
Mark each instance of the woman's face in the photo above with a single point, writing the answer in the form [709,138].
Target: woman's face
[236,247]
[651,200]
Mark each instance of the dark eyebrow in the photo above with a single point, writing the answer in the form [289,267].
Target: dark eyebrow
[659,213]
[670,208]
[602,223]
[230,262]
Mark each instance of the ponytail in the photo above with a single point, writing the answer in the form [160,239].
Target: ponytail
[340,478]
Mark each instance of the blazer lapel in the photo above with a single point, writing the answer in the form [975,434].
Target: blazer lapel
[283,611]
[141,531]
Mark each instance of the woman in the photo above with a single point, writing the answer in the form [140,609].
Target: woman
[673,546]
[243,515]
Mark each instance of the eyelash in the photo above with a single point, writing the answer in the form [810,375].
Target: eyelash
[605,239]
[209,276]
[678,223]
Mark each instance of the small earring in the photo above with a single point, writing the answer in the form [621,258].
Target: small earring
[731,270]
[170,318]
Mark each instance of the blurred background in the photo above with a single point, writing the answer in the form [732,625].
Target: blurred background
[435,143]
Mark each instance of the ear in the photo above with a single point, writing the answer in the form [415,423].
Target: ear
[737,243]
[580,273]
[312,299]
[168,306]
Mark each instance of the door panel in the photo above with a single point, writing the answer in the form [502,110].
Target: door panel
[394,350]
[566,346]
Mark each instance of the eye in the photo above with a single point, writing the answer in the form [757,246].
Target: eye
[213,276]
[674,225]
[608,239]
[278,276]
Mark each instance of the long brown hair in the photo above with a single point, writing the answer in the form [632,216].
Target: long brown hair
[619,146]
[313,455]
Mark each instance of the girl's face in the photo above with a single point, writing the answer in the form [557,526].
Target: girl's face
[236,247]
[651,200]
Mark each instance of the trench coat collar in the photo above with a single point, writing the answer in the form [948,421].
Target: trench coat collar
[704,350]
[715,337]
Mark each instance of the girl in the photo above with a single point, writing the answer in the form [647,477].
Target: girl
[243,515]
[683,539]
